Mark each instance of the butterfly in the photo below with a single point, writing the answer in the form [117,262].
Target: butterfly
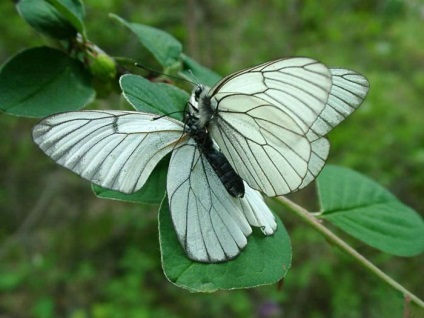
[260,129]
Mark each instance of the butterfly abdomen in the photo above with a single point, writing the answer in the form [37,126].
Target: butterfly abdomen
[229,178]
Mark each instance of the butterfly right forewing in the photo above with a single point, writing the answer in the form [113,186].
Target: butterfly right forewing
[114,149]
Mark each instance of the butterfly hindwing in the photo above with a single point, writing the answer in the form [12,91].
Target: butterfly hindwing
[348,91]
[211,225]
[207,220]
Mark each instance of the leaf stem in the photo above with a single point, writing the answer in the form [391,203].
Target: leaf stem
[333,238]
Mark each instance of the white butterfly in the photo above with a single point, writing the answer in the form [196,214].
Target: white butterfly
[269,121]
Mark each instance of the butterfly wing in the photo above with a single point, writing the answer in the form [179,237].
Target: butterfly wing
[114,149]
[320,149]
[299,87]
[271,120]
[257,212]
[263,115]
[348,91]
[211,225]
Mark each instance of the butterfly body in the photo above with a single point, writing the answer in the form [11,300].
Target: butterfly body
[229,178]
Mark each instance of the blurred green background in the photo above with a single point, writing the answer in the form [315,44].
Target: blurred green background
[65,253]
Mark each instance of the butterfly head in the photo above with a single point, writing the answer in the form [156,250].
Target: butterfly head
[193,103]
[197,92]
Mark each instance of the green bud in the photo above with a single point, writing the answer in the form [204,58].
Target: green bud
[103,67]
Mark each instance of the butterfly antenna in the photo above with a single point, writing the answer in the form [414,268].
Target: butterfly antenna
[162,73]
[197,80]
[165,115]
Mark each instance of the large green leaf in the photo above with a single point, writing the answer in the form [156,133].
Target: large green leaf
[152,191]
[369,212]
[265,260]
[73,11]
[157,98]
[197,72]
[42,81]
[46,19]
[164,47]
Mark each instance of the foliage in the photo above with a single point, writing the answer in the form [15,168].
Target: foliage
[265,260]
[369,212]
[32,87]
[84,264]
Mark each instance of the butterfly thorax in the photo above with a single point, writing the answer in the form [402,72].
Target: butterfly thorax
[202,102]
[199,134]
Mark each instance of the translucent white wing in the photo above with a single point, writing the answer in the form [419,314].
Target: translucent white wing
[348,91]
[262,119]
[320,150]
[298,87]
[211,225]
[270,158]
[257,212]
[114,149]
[270,120]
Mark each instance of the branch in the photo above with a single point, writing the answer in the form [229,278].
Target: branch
[333,238]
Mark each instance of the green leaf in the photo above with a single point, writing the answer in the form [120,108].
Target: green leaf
[46,19]
[165,48]
[153,190]
[157,98]
[41,81]
[369,212]
[265,260]
[197,72]
[73,11]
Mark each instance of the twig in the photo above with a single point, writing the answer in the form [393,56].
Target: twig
[333,238]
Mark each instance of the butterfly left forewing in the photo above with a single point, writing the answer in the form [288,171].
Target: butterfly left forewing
[298,86]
